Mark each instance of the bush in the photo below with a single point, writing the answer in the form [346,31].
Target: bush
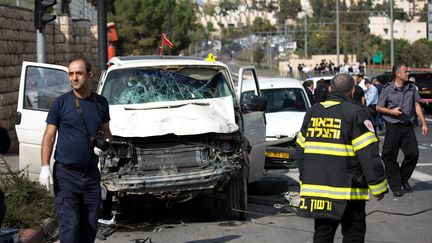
[28,203]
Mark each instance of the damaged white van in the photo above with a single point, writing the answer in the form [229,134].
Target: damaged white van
[179,128]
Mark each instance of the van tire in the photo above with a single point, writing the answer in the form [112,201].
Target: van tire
[236,192]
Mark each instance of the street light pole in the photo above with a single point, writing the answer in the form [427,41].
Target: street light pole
[391,35]
[305,35]
[337,33]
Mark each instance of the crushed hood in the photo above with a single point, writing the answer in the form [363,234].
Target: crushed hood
[283,124]
[186,117]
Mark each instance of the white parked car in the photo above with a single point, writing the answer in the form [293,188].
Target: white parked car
[179,128]
[287,103]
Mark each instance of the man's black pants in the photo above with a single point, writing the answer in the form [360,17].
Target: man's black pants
[403,137]
[77,200]
[353,223]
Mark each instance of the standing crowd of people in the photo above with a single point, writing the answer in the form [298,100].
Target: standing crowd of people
[338,154]
[325,68]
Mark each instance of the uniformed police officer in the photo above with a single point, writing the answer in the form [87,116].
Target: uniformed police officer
[399,102]
[77,116]
[339,164]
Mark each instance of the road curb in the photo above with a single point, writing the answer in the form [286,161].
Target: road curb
[38,234]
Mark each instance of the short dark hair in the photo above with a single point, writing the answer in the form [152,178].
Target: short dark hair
[308,83]
[367,81]
[87,64]
[360,75]
[397,67]
[342,83]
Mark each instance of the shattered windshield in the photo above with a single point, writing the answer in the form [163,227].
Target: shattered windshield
[138,86]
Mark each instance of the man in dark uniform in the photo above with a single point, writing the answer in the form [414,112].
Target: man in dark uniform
[78,116]
[359,94]
[321,91]
[308,86]
[339,164]
[398,102]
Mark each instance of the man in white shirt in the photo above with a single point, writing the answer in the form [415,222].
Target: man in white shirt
[371,97]
[360,81]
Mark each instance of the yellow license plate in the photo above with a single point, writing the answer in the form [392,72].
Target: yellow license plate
[279,155]
[425,91]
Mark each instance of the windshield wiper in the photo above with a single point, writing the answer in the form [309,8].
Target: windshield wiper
[168,106]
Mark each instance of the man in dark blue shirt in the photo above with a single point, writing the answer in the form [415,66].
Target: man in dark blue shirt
[398,102]
[78,117]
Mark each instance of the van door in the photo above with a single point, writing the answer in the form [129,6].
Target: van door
[254,125]
[40,84]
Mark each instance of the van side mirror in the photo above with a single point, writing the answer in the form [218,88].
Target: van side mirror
[251,103]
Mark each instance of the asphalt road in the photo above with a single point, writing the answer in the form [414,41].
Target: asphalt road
[405,219]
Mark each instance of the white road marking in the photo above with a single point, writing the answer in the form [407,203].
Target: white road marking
[421,176]
[424,164]
[428,119]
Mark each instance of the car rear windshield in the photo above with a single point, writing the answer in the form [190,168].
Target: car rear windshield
[423,80]
[138,86]
[286,99]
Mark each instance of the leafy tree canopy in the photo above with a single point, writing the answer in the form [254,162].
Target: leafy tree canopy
[289,9]
[141,22]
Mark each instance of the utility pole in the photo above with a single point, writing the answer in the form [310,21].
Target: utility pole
[270,52]
[305,35]
[40,43]
[41,19]
[102,36]
[337,33]
[391,35]
[170,22]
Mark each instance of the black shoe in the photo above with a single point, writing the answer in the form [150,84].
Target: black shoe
[406,186]
[397,194]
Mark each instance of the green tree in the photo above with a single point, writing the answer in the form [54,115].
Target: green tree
[258,55]
[141,22]
[418,53]
[209,9]
[289,9]
[398,13]
[262,25]
[227,5]
[424,14]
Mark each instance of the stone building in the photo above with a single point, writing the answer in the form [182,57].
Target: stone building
[71,34]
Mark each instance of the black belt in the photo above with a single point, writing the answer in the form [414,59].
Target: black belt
[404,123]
[77,169]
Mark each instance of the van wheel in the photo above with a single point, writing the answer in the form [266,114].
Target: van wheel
[236,192]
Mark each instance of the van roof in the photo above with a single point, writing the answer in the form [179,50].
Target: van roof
[152,60]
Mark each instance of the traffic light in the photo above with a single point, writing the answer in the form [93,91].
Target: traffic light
[41,18]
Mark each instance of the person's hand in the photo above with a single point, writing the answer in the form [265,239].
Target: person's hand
[397,111]
[379,196]
[45,176]
[425,130]
[99,152]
